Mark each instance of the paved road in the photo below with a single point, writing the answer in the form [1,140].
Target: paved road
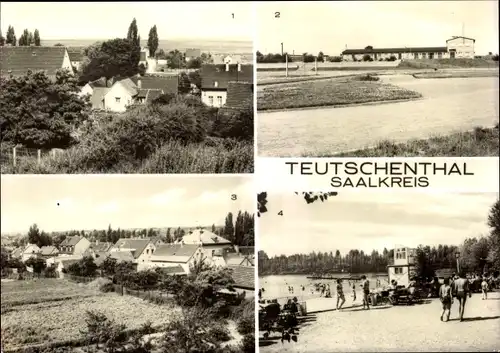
[400,328]
[449,105]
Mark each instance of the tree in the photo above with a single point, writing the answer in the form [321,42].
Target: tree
[132,33]
[2,39]
[101,330]
[153,41]
[37,264]
[34,235]
[194,63]
[38,113]
[85,267]
[184,83]
[58,45]
[36,38]
[115,57]
[228,232]
[195,78]
[11,36]
[26,38]
[321,56]
[494,237]
[4,258]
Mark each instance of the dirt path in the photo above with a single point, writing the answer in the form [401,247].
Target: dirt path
[400,328]
[449,105]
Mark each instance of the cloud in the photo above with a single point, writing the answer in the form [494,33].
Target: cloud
[108,207]
[170,196]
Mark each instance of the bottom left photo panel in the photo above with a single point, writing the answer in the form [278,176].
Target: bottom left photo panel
[128,264]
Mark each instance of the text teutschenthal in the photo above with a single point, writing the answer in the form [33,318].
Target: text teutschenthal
[378,168]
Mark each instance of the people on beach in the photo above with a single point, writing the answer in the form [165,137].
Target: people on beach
[484,288]
[462,290]
[260,294]
[365,284]
[353,286]
[446,298]
[328,292]
[340,294]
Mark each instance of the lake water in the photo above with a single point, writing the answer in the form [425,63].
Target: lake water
[276,286]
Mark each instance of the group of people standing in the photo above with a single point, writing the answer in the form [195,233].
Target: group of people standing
[458,287]
[324,290]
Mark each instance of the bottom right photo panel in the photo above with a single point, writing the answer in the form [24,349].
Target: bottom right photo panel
[382,271]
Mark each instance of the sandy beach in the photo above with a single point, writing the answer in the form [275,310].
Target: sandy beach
[414,328]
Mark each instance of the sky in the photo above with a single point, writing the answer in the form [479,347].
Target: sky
[102,20]
[58,203]
[330,26]
[371,221]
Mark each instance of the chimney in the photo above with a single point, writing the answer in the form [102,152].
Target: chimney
[139,84]
[227,67]
[239,67]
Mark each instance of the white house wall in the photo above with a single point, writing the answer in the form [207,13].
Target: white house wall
[117,91]
[464,47]
[67,62]
[146,254]
[215,101]
[81,246]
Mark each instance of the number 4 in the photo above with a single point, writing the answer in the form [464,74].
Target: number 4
[280,213]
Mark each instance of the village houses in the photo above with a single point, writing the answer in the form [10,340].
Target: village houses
[24,253]
[75,245]
[17,61]
[215,81]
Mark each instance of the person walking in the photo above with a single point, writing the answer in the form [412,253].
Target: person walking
[353,286]
[446,298]
[462,290]
[340,294]
[484,288]
[365,284]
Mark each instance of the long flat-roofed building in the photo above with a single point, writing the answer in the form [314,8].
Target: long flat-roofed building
[456,47]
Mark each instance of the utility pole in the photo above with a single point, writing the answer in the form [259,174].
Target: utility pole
[286,65]
[281,48]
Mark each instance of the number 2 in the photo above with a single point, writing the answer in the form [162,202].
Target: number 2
[277,15]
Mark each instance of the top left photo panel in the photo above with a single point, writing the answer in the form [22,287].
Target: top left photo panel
[120,88]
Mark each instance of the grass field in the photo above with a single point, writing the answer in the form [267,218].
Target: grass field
[481,142]
[331,92]
[54,321]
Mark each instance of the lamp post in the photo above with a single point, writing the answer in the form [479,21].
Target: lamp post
[457,255]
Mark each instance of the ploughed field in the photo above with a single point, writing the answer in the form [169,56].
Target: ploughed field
[61,316]
[448,106]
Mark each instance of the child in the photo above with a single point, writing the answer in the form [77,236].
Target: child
[446,298]
[484,288]
[340,294]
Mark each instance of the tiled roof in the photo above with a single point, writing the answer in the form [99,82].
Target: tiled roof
[97,97]
[172,270]
[205,236]
[100,82]
[101,246]
[71,241]
[180,253]
[138,245]
[18,60]
[149,94]
[17,252]
[396,50]
[212,74]
[48,250]
[455,37]
[244,276]
[169,84]
[75,53]
[129,85]
[123,256]
[239,95]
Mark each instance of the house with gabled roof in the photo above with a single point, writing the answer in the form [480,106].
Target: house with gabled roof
[74,245]
[244,278]
[140,249]
[215,81]
[239,97]
[213,245]
[75,56]
[48,251]
[17,61]
[176,255]
[25,252]
[192,53]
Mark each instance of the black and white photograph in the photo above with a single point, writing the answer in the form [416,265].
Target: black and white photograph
[129,87]
[377,79]
[127,264]
[378,272]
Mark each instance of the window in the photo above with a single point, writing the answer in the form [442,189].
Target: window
[440,55]
[211,100]
[398,270]
[147,251]
[117,99]
[216,84]
[219,100]
[399,56]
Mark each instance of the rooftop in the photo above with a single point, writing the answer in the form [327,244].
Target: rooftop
[137,245]
[396,50]
[244,277]
[180,253]
[216,76]
[18,60]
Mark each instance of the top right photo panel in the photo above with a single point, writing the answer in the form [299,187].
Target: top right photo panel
[377,79]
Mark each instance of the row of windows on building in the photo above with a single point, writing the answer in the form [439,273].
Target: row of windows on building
[211,100]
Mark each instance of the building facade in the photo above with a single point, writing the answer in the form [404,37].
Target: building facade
[403,268]
[456,47]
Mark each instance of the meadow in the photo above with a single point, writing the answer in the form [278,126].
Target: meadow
[330,92]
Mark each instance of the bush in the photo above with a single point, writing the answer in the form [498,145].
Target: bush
[235,124]
[108,287]
[246,325]
[367,57]
[248,343]
[220,333]
[366,77]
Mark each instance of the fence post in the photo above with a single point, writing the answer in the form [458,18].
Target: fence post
[14,156]
[39,156]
